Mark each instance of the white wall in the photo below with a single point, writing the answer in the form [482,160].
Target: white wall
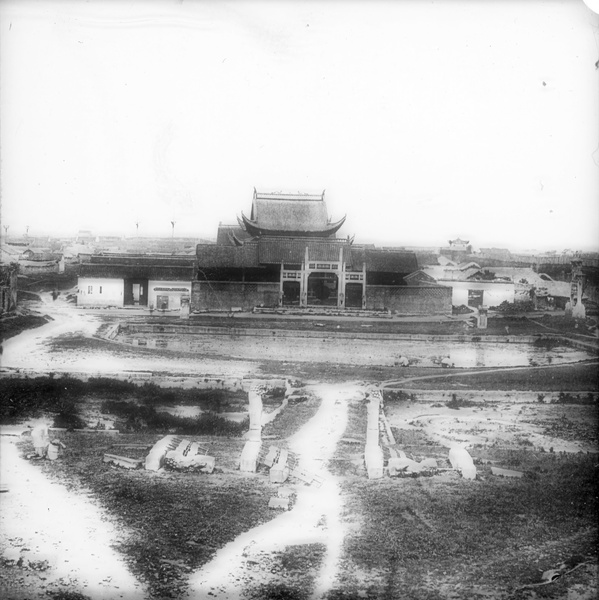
[172,289]
[494,293]
[100,291]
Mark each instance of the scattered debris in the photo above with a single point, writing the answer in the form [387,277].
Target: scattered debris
[155,458]
[552,575]
[189,456]
[179,454]
[279,472]
[402,464]
[123,461]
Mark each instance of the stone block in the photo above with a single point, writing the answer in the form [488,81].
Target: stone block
[155,457]
[276,502]
[279,472]
[249,456]
[461,461]
[403,465]
[373,458]
[284,492]
[122,461]
[271,456]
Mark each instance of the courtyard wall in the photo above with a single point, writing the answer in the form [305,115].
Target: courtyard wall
[409,299]
[225,295]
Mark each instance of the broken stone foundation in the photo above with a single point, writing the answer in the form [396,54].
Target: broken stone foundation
[248,461]
[373,454]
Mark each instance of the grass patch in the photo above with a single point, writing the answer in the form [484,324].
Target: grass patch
[296,566]
[456,403]
[137,417]
[13,325]
[416,532]
[556,378]
[348,456]
[398,396]
[293,417]
[64,398]
[181,517]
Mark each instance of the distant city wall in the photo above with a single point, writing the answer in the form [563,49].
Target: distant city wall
[225,295]
[409,300]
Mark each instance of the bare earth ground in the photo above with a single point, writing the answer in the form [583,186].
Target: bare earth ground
[117,533]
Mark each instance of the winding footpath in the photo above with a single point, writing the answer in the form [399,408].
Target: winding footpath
[241,567]
[56,540]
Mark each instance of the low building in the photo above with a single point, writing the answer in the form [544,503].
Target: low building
[124,280]
[469,284]
[474,286]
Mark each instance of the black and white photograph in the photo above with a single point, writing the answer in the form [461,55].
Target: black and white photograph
[299,299]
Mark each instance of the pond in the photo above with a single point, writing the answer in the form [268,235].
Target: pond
[193,411]
[361,351]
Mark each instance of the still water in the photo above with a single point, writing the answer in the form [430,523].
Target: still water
[365,351]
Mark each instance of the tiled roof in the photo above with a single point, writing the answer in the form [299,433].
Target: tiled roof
[385,261]
[143,267]
[225,234]
[143,260]
[212,256]
[144,271]
[276,214]
[274,250]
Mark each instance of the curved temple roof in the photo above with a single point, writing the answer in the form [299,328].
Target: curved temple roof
[289,215]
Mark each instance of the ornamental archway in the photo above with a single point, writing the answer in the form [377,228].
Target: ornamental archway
[323,289]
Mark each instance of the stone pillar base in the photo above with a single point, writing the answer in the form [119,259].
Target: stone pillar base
[249,456]
[373,457]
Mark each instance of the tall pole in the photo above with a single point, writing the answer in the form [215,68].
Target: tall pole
[173,232]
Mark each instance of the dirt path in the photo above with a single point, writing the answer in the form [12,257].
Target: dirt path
[54,540]
[250,561]
[32,351]
[462,373]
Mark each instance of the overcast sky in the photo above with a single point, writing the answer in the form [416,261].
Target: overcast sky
[424,121]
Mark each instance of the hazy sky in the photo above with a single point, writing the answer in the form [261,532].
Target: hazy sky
[423,120]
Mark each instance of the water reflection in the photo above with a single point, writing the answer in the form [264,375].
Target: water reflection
[360,351]
[193,411]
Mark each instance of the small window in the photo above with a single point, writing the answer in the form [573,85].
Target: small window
[90,289]
[100,289]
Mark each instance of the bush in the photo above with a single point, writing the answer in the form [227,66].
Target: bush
[510,308]
[137,417]
[457,403]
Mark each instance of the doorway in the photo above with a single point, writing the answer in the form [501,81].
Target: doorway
[291,293]
[323,289]
[136,292]
[353,295]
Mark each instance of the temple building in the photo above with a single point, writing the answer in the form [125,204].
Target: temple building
[287,253]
